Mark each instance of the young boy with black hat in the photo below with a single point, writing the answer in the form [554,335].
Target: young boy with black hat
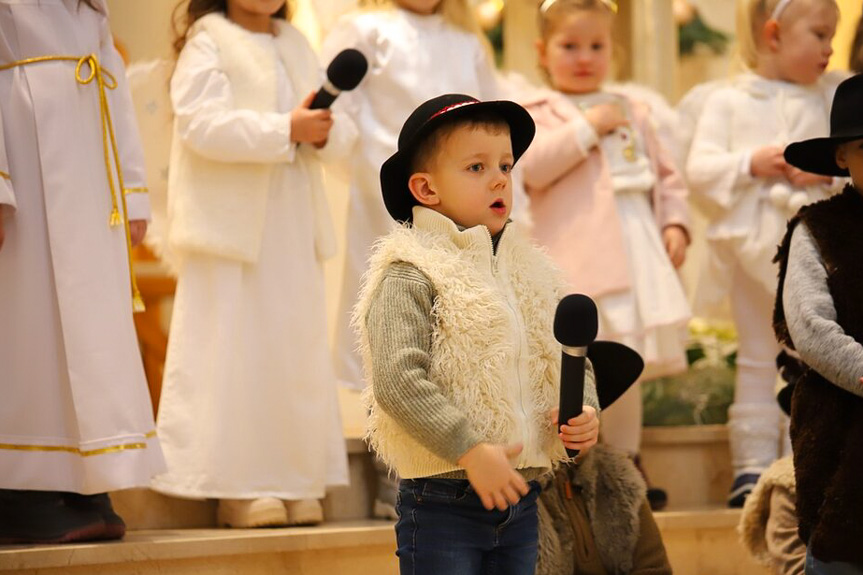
[455,320]
[819,312]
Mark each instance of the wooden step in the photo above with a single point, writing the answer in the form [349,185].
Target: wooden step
[699,542]
[705,542]
[691,462]
[145,509]
[358,548]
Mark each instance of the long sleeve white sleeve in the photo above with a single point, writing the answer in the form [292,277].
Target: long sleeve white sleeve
[714,171]
[207,120]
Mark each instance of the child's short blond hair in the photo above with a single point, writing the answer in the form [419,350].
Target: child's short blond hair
[458,13]
[752,15]
[551,12]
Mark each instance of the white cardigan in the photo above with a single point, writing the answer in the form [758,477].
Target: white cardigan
[216,205]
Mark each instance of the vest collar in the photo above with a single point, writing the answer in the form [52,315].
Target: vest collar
[477,237]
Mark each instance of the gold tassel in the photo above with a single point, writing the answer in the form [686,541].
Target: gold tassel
[115,219]
[138,303]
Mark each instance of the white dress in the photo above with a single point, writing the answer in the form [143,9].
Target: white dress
[652,316]
[249,406]
[75,413]
[411,58]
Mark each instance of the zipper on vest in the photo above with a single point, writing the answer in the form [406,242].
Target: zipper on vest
[526,433]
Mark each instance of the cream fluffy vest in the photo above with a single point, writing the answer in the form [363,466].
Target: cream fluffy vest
[219,208]
[472,339]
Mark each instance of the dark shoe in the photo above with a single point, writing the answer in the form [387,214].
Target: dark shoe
[741,488]
[656,497]
[43,517]
[115,527]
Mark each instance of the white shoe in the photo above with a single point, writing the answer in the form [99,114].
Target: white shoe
[244,513]
[304,512]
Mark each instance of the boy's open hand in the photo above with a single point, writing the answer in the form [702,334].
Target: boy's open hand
[491,474]
[581,432]
[311,126]
[606,118]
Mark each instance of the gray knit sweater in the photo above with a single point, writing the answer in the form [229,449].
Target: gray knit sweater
[811,317]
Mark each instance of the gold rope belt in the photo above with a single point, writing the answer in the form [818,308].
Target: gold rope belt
[104,81]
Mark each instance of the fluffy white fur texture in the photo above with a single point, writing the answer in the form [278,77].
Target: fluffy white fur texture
[219,207]
[472,338]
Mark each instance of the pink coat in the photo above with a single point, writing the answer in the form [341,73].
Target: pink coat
[572,199]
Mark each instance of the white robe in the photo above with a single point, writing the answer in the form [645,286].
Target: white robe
[75,414]
[412,59]
[249,405]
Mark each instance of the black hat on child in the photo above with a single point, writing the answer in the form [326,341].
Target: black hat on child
[846,123]
[430,115]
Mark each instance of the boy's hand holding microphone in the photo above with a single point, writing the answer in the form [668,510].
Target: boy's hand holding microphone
[489,467]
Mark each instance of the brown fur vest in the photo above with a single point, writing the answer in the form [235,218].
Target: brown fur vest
[594,519]
[826,421]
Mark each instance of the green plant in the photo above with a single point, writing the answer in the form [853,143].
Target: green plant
[703,393]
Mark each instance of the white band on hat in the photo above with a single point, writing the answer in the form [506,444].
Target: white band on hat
[779,9]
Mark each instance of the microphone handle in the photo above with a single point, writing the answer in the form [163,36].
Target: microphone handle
[571,391]
[323,99]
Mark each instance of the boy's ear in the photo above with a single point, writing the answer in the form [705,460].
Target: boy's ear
[420,185]
[841,157]
[770,35]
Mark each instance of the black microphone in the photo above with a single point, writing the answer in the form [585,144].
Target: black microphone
[575,327]
[343,74]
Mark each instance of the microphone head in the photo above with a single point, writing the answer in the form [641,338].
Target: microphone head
[575,321]
[347,69]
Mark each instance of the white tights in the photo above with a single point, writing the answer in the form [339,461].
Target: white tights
[754,420]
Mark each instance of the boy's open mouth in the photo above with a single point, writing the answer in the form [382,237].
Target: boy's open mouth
[498,204]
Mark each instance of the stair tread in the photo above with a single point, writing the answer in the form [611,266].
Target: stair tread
[709,517]
[161,544]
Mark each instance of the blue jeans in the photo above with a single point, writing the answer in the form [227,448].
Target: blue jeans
[815,567]
[444,529]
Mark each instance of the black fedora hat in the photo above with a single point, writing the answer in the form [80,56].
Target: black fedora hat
[430,115]
[846,123]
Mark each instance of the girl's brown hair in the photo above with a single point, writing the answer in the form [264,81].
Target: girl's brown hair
[552,12]
[182,20]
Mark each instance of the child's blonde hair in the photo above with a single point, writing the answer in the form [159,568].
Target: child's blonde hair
[551,12]
[458,13]
[752,15]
